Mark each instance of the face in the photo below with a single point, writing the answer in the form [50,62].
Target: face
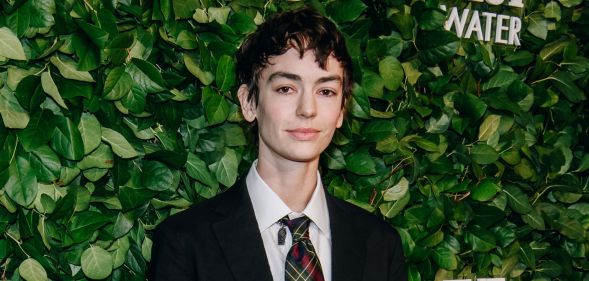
[299,106]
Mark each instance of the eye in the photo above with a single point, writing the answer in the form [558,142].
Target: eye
[327,92]
[284,90]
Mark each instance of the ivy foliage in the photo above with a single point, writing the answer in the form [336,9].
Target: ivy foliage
[117,114]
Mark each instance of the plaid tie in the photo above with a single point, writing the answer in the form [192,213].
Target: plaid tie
[302,263]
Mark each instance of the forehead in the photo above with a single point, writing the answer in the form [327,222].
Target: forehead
[306,67]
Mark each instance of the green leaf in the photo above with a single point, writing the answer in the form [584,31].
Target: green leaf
[146,76]
[391,71]
[118,84]
[431,19]
[216,107]
[373,84]
[42,12]
[485,190]
[135,100]
[68,69]
[97,263]
[552,11]
[31,270]
[205,77]
[378,48]
[570,3]
[397,191]
[503,78]
[359,105]
[67,140]
[480,240]
[345,10]
[527,256]
[39,130]
[84,224]
[119,251]
[186,40]
[377,130]
[483,154]
[225,169]
[120,47]
[20,20]
[132,197]
[570,228]
[225,77]
[553,48]
[90,131]
[21,186]
[436,46]
[534,219]
[439,125]
[335,159]
[156,176]
[549,268]
[197,169]
[219,14]
[183,9]
[122,226]
[10,46]
[45,163]
[367,207]
[101,157]
[242,23]
[583,164]
[88,54]
[489,127]
[563,81]
[119,144]
[51,89]
[8,146]
[537,25]
[98,36]
[517,200]
[391,209]
[445,258]
[360,162]
[13,115]
[470,105]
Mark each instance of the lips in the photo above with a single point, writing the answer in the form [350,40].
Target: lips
[304,134]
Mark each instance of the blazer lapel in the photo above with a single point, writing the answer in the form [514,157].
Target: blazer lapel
[348,248]
[240,238]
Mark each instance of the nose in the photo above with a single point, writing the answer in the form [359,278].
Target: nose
[306,107]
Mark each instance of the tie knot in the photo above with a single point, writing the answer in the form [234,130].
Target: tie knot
[299,227]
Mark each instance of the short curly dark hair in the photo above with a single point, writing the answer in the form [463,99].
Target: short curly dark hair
[302,29]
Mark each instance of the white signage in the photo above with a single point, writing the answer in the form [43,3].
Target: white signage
[486,26]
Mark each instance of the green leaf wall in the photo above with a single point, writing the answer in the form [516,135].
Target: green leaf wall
[117,114]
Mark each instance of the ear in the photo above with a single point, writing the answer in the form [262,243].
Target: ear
[340,119]
[342,114]
[248,109]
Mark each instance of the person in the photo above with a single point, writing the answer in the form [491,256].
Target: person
[296,75]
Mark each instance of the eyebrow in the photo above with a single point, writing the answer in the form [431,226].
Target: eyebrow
[295,77]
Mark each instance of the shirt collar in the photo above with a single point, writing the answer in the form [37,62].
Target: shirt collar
[269,208]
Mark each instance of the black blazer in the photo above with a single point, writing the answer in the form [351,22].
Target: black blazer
[219,239]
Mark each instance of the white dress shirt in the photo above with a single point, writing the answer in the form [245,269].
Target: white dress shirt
[269,209]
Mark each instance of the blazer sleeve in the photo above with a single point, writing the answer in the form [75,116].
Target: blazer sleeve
[171,256]
[397,266]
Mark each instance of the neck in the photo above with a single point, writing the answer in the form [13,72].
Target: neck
[293,182]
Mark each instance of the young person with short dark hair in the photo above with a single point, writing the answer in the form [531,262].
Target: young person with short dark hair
[278,222]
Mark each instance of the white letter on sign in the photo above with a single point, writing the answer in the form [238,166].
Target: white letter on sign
[454,18]
[475,25]
[500,29]
[515,25]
